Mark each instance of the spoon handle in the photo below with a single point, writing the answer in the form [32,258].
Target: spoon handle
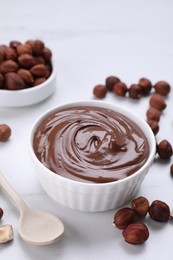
[20,203]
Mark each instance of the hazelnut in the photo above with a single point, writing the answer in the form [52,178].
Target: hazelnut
[154,126]
[26,61]
[136,233]
[47,54]
[171,170]
[120,89]
[38,70]
[2,53]
[6,234]
[38,81]
[100,91]
[162,88]
[10,54]
[5,132]
[140,205]
[14,44]
[159,211]
[26,76]
[1,213]
[8,66]
[39,60]
[153,114]
[164,149]
[38,47]
[145,85]
[1,80]
[110,81]
[13,81]
[24,49]
[135,91]
[124,217]
[157,101]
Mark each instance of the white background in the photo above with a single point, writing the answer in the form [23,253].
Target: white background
[90,40]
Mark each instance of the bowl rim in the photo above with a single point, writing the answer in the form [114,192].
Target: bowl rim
[108,105]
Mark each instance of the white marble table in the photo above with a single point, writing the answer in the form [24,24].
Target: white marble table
[90,40]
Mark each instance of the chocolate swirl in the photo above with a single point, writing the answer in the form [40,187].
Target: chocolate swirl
[90,144]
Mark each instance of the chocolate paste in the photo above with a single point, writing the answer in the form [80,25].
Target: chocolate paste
[90,144]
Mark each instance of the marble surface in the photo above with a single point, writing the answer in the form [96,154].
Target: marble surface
[90,41]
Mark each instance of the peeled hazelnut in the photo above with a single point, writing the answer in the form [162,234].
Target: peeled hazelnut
[13,81]
[153,114]
[110,81]
[5,132]
[26,76]
[38,81]
[24,49]
[136,233]
[100,91]
[38,70]
[154,126]
[135,91]
[10,54]
[140,205]
[159,211]
[164,149]
[14,44]
[38,47]
[145,85]
[8,66]
[1,80]
[162,88]
[1,213]
[124,217]
[47,54]
[6,234]
[26,61]
[120,89]
[157,101]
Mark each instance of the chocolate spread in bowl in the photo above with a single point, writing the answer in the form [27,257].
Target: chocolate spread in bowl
[90,144]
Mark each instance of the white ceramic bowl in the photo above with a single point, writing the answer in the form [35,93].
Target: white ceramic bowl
[29,96]
[93,197]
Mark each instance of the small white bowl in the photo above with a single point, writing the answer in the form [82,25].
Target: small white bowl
[93,197]
[29,96]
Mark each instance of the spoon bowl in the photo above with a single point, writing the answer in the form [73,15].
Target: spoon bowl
[35,227]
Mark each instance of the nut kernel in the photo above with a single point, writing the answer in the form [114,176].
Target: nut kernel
[164,149]
[159,211]
[162,88]
[124,217]
[140,205]
[136,233]
[157,101]
[5,132]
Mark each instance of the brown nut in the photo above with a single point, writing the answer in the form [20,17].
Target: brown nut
[26,76]
[153,114]
[124,217]
[136,233]
[38,47]
[162,87]
[120,89]
[145,85]
[164,149]
[140,205]
[110,81]
[26,61]
[157,101]
[38,70]
[10,54]
[159,211]
[47,54]
[2,53]
[38,81]
[100,91]
[5,132]
[13,81]
[14,44]
[8,66]
[135,91]
[171,170]
[1,213]
[24,49]
[1,80]
[154,126]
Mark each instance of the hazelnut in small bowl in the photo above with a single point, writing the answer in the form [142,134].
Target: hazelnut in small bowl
[91,155]
[27,73]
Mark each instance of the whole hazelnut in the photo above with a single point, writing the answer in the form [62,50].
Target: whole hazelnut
[135,91]
[38,47]
[10,54]
[38,81]
[162,87]
[159,211]
[8,66]
[164,149]
[154,126]
[38,70]
[1,80]
[157,101]
[2,53]
[100,91]
[26,61]
[140,205]
[1,213]
[5,132]
[124,217]
[14,44]
[153,114]
[145,85]
[13,81]
[24,49]
[136,233]
[120,89]
[26,76]
[47,54]
[110,81]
